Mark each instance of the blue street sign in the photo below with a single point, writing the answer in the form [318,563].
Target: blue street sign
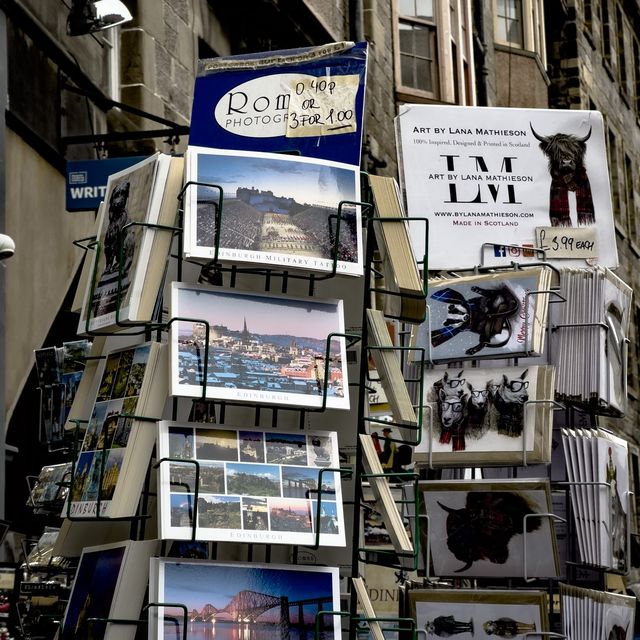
[87,180]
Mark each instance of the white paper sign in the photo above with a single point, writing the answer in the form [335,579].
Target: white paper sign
[488,178]
[567,242]
[322,106]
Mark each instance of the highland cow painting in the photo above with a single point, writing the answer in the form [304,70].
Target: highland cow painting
[481,528]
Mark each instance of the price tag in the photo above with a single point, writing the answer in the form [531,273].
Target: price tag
[322,106]
[568,242]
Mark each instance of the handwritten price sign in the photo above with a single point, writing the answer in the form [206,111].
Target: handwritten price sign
[568,242]
[322,106]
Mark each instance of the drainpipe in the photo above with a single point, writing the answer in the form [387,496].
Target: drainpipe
[480,49]
[3,305]
[356,25]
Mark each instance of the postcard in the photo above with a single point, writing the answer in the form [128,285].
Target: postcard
[253,485]
[110,583]
[50,488]
[496,315]
[485,528]
[308,100]
[490,183]
[478,614]
[485,417]
[592,614]
[131,384]
[243,600]
[128,257]
[277,210]
[267,349]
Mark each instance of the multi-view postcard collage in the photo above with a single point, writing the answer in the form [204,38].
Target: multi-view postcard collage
[313,419]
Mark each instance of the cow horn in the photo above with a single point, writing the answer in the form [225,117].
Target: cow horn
[586,137]
[448,509]
[466,566]
[539,137]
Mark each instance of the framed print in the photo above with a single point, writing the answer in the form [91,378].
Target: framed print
[478,528]
[486,417]
[467,614]
[242,600]
[265,349]
[277,210]
[254,485]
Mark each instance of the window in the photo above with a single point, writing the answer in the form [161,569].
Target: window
[630,201]
[509,22]
[615,179]
[432,51]
[520,24]
[606,31]
[588,15]
[636,71]
[418,45]
[622,61]
[637,343]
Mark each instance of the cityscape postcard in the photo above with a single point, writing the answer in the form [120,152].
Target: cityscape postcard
[229,601]
[253,485]
[260,348]
[277,210]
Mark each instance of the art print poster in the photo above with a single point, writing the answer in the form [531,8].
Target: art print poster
[478,614]
[273,209]
[103,448]
[243,600]
[309,100]
[253,485]
[490,529]
[497,183]
[483,416]
[261,348]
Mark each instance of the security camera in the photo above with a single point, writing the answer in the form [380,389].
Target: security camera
[7,246]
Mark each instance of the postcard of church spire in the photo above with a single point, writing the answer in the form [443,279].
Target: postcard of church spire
[259,348]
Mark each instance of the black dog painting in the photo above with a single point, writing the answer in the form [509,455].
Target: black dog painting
[565,153]
[495,315]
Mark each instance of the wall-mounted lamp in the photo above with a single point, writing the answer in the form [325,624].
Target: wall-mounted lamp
[87,16]
[7,246]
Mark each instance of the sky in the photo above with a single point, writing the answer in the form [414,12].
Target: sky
[199,584]
[264,314]
[288,177]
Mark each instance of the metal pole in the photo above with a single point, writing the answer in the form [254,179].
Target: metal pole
[3,305]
